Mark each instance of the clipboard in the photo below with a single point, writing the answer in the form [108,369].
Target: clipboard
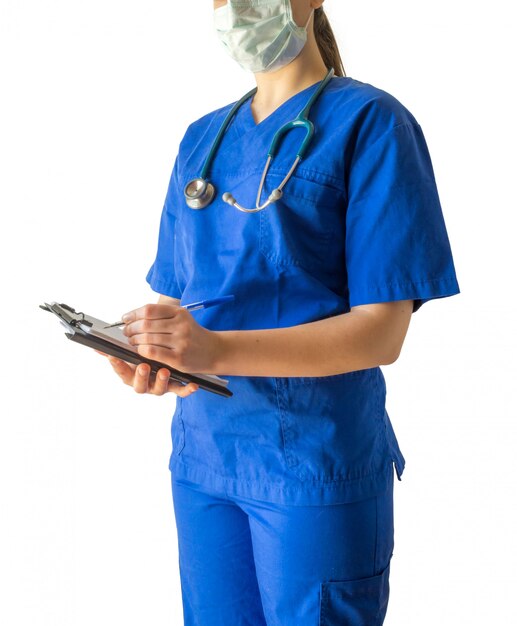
[89,331]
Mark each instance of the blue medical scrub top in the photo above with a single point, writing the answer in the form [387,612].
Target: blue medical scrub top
[360,222]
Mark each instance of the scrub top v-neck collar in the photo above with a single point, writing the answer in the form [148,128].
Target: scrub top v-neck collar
[244,120]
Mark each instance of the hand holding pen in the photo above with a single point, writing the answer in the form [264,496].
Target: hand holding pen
[175,339]
[193,306]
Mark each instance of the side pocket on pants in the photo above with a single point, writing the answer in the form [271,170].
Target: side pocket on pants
[360,602]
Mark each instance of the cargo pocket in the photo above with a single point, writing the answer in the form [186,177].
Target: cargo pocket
[360,602]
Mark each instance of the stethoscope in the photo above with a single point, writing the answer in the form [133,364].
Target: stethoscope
[199,192]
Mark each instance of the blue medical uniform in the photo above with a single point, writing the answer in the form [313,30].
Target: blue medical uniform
[360,222]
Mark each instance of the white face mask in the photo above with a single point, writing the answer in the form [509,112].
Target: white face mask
[260,35]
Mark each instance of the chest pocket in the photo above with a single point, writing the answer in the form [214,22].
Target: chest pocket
[302,228]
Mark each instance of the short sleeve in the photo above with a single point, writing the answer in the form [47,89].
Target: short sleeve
[161,275]
[397,247]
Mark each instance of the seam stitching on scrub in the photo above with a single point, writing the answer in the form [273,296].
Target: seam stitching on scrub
[300,170]
[376,536]
[280,487]
[404,185]
[412,282]
[338,186]
[162,284]
[391,129]
[280,416]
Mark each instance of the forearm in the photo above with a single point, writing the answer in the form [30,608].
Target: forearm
[351,341]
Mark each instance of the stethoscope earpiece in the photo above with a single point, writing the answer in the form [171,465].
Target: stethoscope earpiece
[275,195]
[228,198]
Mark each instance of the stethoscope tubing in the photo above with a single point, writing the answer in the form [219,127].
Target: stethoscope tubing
[200,192]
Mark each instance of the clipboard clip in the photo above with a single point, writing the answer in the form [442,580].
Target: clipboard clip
[69,317]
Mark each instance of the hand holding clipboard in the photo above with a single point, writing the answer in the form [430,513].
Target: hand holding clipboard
[110,339]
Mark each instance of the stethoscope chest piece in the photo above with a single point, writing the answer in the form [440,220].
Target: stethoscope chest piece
[199,193]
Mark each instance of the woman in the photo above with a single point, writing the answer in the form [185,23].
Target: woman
[283,493]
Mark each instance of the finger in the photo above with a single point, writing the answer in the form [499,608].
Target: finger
[141,379]
[157,353]
[161,382]
[126,371]
[183,390]
[161,325]
[156,339]
[151,311]
[177,387]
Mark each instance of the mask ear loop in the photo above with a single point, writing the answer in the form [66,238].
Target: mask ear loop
[310,17]
[289,11]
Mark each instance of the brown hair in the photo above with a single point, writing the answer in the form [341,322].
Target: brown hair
[327,43]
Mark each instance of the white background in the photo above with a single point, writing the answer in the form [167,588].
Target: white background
[95,98]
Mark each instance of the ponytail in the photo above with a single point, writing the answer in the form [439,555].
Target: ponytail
[327,43]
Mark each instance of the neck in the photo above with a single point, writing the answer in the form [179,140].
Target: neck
[274,88]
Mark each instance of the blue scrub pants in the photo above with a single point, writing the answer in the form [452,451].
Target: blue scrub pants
[246,562]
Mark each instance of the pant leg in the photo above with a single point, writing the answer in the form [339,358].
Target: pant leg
[323,566]
[217,572]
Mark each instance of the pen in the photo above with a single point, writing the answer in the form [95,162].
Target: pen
[193,306]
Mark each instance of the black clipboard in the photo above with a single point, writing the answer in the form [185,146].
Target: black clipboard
[90,331]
